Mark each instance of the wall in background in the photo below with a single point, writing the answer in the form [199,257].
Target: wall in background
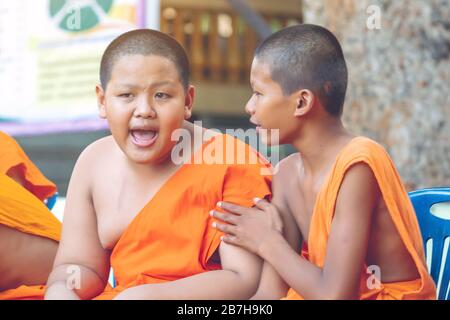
[399,79]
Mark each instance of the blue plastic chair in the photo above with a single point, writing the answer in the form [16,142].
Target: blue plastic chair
[50,201]
[112,279]
[438,230]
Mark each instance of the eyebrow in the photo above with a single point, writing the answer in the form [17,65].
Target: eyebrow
[133,86]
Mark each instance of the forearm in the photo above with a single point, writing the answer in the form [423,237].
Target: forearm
[212,285]
[70,281]
[300,274]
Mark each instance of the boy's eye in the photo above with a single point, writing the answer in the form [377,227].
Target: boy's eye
[125,95]
[161,95]
[256,93]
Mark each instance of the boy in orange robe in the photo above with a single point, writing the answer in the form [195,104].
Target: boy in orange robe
[339,199]
[132,207]
[29,232]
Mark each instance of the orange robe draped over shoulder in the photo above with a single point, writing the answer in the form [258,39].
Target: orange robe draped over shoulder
[364,150]
[12,156]
[172,238]
[21,210]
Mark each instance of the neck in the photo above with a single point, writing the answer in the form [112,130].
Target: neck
[320,143]
[146,171]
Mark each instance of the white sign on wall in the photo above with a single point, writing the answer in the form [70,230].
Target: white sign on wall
[50,52]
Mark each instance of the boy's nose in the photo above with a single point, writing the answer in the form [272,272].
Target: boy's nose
[144,109]
[249,107]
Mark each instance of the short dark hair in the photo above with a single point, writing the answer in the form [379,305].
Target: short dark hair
[144,42]
[310,57]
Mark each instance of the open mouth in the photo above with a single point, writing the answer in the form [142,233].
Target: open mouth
[143,138]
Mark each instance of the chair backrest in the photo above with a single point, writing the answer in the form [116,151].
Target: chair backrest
[436,229]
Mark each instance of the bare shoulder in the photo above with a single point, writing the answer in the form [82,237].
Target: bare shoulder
[359,187]
[284,184]
[283,178]
[285,195]
[359,173]
[285,167]
[97,151]
[102,147]
[89,163]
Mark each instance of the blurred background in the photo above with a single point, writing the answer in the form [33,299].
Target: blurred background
[397,52]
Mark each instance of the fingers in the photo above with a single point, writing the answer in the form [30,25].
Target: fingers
[262,204]
[227,228]
[266,206]
[233,208]
[225,217]
[229,239]
[278,222]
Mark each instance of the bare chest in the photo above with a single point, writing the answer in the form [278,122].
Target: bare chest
[302,207]
[301,198]
[118,201]
[115,213]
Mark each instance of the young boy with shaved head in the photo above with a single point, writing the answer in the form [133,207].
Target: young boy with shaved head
[131,207]
[339,200]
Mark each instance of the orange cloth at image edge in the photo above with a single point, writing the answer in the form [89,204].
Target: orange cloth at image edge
[172,237]
[21,210]
[12,155]
[364,150]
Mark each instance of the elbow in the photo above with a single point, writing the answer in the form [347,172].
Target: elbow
[332,296]
[249,289]
[330,289]
[247,285]
[270,293]
[76,278]
[267,295]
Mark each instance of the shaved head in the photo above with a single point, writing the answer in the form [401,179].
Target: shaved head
[307,57]
[144,42]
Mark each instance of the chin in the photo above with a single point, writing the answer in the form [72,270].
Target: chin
[139,158]
[150,158]
[142,155]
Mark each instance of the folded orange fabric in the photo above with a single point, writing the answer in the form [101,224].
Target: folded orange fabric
[13,156]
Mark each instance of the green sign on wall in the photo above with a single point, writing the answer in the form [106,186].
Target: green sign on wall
[78,16]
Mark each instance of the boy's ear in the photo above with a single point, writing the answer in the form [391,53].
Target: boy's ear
[100,101]
[305,102]
[189,101]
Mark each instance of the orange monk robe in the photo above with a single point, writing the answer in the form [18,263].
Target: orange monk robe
[21,210]
[172,238]
[12,156]
[364,150]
